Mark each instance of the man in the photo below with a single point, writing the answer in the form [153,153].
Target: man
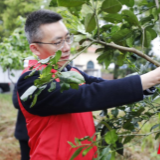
[20,129]
[57,117]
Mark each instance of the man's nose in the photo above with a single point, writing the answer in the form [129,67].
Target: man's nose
[66,47]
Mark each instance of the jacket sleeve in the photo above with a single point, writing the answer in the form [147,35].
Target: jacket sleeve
[14,97]
[91,79]
[89,97]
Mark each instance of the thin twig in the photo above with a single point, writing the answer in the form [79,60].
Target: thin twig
[9,76]
[126,135]
[143,38]
[96,18]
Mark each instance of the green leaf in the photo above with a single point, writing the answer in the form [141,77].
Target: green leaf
[106,57]
[71,77]
[90,22]
[52,86]
[125,24]
[86,138]
[77,141]
[71,3]
[146,19]
[155,15]
[30,74]
[130,41]
[81,48]
[104,28]
[128,125]
[43,80]
[72,145]
[111,6]
[86,150]
[152,32]
[120,59]
[56,66]
[113,155]
[34,100]
[113,18]
[37,93]
[46,70]
[111,137]
[119,148]
[130,17]
[129,3]
[74,86]
[106,154]
[58,55]
[53,3]
[121,35]
[28,92]
[147,39]
[86,9]
[115,112]
[75,10]
[56,58]
[82,40]
[138,113]
[155,126]
[76,153]
[128,139]
[64,86]
[99,50]
[157,135]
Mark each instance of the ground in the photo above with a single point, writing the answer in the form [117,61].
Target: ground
[9,146]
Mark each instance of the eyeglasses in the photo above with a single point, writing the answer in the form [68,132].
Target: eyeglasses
[60,45]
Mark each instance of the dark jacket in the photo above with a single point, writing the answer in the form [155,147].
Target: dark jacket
[20,130]
[96,94]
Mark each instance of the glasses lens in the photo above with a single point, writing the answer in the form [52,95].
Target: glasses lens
[60,46]
[69,40]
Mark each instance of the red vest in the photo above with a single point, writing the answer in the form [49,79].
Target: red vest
[49,135]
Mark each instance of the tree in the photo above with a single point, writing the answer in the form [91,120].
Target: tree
[11,9]
[121,31]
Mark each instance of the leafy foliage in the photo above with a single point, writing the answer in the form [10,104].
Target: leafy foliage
[11,9]
[126,28]
[14,50]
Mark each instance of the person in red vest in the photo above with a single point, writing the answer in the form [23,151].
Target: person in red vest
[20,128]
[57,117]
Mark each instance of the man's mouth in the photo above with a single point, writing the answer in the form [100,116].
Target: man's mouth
[65,57]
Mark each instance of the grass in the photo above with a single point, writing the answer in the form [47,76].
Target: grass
[9,147]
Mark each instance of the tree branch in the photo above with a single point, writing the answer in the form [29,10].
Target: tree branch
[139,53]
[9,76]
[125,135]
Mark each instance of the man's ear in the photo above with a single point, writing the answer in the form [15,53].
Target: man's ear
[34,48]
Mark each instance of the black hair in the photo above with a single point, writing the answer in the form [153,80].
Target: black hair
[35,20]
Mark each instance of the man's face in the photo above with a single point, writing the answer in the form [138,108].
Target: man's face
[53,33]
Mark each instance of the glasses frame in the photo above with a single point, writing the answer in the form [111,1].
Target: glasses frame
[71,39]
